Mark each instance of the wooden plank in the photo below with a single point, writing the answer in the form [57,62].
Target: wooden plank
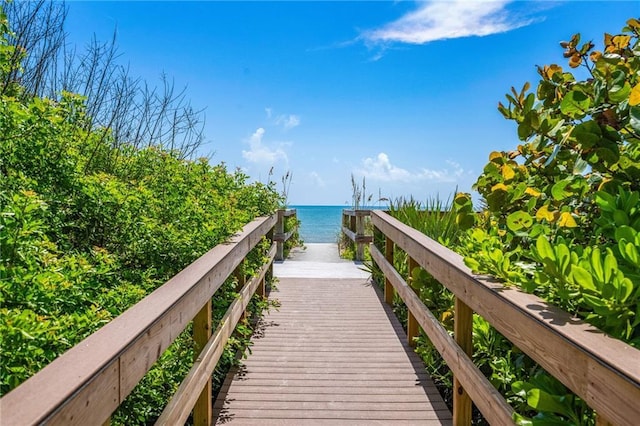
[178,409]
[133,340]
[333,422]
[349,233]
[359,212]
[413,328]
[359,368]
[388,287]
[488,400]
[359,236]
[278,232]
[602,370]
[463,332]
[289,212]
[303,414]
[282,237]
[203,410]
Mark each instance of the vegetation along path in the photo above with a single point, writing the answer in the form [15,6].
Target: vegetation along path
[333,353]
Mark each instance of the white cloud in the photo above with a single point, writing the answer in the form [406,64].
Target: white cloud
[315,177]
[380,168]
[288,121]
[440,20]
[259,152]
[269,112]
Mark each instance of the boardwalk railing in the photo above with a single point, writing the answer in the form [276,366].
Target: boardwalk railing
[603,371]
[353,227]
[86,384]
[280,236]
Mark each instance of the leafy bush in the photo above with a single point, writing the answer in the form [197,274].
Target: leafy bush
[89,227]
[562,218]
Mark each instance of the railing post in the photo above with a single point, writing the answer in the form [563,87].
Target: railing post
[280,235]
[388,254]
[242,280]
[412,324]
[352,222]
[202,410]
[359,234]
[270,236]
[463,333]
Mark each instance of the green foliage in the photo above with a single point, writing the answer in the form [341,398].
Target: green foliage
[563,208]
[87,230]
[562,218]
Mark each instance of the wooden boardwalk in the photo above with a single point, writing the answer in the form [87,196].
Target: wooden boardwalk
[333,354]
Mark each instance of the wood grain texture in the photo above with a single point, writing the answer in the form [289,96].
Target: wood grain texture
[88,382]
[602,370]
[488,400]
[333,353]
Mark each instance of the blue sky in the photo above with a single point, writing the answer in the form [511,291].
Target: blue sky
[401,93]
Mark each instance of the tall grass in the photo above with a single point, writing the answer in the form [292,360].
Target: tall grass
[435,217]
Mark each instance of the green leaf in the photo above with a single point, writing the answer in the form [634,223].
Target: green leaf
[620,94]
[545,251]
[610,266]
[630,253]
[596,265]
[587,134]
[582,277]
[625,288]
[575,104]
[519,220]
[542,401]
[634,118]
[625,233]
[594,301]
[620,218]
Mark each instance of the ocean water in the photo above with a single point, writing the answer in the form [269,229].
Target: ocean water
[320,224]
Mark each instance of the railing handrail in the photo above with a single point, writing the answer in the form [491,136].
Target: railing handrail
[89,381]
[353,228]
[281,237]
[603,371]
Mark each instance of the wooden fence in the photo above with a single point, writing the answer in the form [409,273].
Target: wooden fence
[280,236]
[353,226]
[86,384]
[603,371]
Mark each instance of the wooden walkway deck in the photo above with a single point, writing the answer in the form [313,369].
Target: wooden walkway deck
[332,354]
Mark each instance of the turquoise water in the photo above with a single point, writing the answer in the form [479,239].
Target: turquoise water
[319,224]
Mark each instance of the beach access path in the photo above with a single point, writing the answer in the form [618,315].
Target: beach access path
[333,353]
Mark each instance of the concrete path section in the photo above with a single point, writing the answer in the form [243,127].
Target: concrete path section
[318,260]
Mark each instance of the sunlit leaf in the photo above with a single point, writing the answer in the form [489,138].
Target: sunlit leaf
[532,192]
[566,220]
[595,55]
[634,96]
[575,60]
[545,251]
[575,103]
[519,220]
[507,172]
[499,187]
[495,155]
[582,277]
[544,213]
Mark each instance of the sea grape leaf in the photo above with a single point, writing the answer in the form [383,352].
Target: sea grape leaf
[519,220]
[567,221]
[575,104]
